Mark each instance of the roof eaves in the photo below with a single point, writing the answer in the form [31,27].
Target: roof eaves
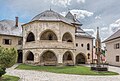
[48,20]
[10,35]
[110,39]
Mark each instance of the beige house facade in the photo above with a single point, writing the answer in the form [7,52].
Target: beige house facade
[10,41]
[51,39]
[113,49]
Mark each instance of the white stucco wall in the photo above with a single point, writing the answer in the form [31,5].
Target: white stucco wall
[111,53]
[80,49]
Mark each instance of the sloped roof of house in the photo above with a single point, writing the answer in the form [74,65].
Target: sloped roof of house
[81,33]
[71,17]
[113,36]
[7,27]
[50,15]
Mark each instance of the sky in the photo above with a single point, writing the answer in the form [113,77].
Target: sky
[104,14]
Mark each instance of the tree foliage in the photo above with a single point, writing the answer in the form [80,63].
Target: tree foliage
[8,57]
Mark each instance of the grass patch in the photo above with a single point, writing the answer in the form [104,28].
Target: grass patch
[9,78]
[79,70]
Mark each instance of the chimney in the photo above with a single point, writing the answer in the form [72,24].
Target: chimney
[75,17]
[16,22]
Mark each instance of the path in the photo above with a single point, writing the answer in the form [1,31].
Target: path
[28,75]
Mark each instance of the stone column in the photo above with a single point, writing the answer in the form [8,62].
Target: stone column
[24,56]
[36,58]
[74,58]
[60,59]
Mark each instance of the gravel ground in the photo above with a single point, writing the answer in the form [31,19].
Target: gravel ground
[28,75]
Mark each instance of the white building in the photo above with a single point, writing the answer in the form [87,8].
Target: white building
[113,49]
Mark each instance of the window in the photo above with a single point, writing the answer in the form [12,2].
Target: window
[7,41]
[117,58]
[82,45]
[88,56]
[19,41]
[117,46]
[76,44]
[88,46]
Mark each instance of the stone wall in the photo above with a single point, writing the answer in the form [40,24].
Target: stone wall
[58,47]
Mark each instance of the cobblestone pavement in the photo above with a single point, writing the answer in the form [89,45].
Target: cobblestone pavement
[28,75]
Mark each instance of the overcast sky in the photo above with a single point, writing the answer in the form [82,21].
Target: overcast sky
[91,13]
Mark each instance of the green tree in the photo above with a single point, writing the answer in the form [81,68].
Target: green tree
[8,57]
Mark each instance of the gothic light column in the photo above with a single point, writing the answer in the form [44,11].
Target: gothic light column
[98,47]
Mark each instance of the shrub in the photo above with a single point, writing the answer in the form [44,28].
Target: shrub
[2,71]
[8,57]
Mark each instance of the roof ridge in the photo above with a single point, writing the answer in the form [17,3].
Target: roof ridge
[110,37]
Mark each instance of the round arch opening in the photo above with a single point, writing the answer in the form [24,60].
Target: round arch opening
[30,56]
[80,59]
[30,37]
[48,58]
[67,37]
[48,35]
[68,58]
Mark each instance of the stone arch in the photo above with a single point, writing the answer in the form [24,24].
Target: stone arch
[67,37]
[48,58]
[29,56]
[68,58]
[48,35]
[30,37]
[81,58]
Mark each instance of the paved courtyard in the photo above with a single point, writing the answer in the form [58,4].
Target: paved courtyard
[28,75]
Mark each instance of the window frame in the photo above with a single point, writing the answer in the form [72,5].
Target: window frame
[9,40]
[117,58]
[117,46]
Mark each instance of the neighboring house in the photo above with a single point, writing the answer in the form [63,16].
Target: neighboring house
[11,35]
[51,39]
[113,49]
